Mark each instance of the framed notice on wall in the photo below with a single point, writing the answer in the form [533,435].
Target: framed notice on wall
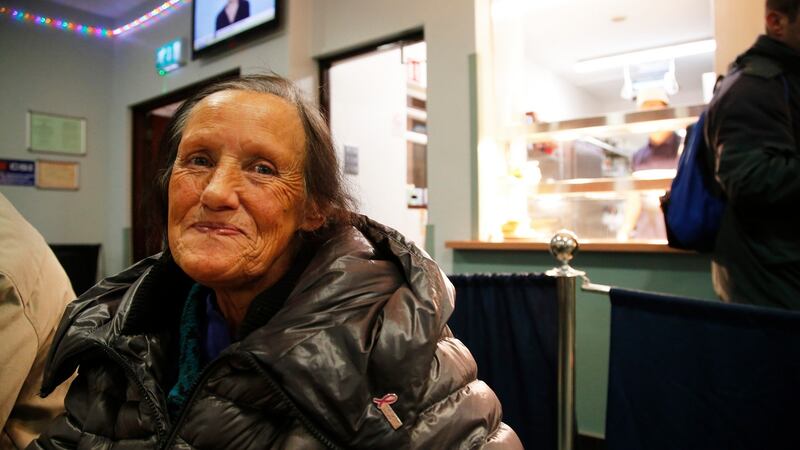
[17,172]
[57,175]
[350,160]
[56,134]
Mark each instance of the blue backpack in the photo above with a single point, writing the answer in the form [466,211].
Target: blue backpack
[692,211]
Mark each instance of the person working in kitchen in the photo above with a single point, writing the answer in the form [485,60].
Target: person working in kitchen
[661,150]
[644,219]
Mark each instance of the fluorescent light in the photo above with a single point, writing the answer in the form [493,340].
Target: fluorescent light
[654,174]
[647,55]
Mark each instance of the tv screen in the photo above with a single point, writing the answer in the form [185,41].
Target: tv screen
[217,23]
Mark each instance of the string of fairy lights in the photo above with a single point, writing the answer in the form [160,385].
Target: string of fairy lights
[100,32]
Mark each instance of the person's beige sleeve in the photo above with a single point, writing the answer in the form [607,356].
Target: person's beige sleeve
[23,414]
[34,290]
[18,347]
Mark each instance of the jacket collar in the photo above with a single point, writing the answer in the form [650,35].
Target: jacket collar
[266,304]
[775,50]
[156,300]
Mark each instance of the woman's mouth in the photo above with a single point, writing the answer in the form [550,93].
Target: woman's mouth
[218,228]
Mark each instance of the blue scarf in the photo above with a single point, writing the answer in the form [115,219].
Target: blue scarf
[203,336]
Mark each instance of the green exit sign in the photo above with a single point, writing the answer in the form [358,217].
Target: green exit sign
[170,56]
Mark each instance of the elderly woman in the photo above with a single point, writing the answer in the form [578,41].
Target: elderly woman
[275,318]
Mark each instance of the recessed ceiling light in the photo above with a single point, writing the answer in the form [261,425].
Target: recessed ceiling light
[646,55]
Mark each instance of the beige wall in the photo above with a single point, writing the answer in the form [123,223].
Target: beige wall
[737,23]
[302,69]
[56,72]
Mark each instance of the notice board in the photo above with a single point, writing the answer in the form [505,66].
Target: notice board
[54,133]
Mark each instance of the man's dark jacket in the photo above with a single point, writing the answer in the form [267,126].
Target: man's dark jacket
[366,318]
[753,128]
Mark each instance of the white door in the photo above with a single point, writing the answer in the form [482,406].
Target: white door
[368,112]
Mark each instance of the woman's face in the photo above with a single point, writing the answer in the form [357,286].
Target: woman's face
[236,195]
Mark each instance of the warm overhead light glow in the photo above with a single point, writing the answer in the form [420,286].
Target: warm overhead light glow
[647,55]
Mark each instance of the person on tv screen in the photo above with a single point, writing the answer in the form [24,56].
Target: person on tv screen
[234,11]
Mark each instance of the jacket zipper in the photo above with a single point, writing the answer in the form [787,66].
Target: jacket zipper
[309,426]
[204,374]
[161,421]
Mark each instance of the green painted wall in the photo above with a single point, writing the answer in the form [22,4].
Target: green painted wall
[680,274]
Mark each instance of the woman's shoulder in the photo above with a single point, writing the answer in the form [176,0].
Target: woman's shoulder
[368,257]
[359,280]
[372,240]
[105,295]
[368,282]
[86,321]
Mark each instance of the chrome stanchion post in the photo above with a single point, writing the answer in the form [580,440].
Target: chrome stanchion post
[563,245]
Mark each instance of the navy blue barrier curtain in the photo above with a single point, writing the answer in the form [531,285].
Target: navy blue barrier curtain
[510,323]
[689,374]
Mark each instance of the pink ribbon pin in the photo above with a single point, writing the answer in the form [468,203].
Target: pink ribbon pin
[387,399]
[384,405]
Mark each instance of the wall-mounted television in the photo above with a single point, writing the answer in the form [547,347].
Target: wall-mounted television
[220,24]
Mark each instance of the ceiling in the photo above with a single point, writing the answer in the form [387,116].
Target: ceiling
[113,9]
[571,30]
[558,33]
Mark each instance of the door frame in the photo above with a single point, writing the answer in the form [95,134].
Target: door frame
[325,62]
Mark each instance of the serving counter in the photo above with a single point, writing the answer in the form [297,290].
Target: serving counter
[586,246]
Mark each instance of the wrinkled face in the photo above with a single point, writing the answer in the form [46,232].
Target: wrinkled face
[236,194]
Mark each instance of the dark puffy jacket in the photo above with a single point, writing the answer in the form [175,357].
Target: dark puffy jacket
[753,126]
[366,318]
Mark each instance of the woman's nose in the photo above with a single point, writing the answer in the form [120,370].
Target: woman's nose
[222,190]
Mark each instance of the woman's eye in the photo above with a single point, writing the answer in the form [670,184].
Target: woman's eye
[264,169]
[200,161]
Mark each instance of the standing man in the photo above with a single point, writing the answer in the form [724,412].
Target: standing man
[34,290]
[753,129]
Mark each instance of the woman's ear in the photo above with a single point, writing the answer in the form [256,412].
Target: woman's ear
[313,219]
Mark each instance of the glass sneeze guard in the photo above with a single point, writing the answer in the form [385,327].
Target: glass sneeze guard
[600,176]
